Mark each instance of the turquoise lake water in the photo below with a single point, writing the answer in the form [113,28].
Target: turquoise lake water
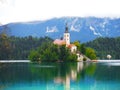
[60,76]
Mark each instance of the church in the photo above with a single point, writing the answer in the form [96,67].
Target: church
[66,41]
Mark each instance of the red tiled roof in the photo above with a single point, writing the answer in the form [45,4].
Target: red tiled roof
[59,42]
[71,45]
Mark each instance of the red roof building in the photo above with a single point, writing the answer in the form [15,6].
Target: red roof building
[59,42]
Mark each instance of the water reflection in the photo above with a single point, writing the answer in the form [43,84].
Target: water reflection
[58,76]
[63,73]
[71,75]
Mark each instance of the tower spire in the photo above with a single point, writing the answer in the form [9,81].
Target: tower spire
[66,28]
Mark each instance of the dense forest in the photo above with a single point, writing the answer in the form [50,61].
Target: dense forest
[50,52]
[17,48]
[22,48]
[105,46]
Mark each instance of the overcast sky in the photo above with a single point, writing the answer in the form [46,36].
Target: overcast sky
[31,10]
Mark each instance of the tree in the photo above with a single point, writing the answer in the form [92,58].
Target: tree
[49,56]
[50,52]
[66,55]
[83,48]
[104,46]
[34,56]
[72,57]
[5,47]
[90,53]
[77,43]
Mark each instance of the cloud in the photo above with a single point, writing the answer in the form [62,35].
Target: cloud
[27,10]
[2,1]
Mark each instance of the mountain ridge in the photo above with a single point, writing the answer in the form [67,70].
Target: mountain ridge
[83,29]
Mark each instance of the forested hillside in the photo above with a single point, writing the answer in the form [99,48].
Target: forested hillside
[104,46]
[19,48]
[16,48]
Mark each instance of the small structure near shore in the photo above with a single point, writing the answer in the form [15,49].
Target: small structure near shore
[109,56]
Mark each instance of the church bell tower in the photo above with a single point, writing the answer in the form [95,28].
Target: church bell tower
[67,36]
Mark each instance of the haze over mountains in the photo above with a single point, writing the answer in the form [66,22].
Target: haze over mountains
[83,29]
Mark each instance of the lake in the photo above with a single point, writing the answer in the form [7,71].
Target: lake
[60,76]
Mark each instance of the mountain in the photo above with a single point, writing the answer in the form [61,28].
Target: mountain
[82,29]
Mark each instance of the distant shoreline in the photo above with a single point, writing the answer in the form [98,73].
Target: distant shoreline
[105,61]
[27,61]
[12,61]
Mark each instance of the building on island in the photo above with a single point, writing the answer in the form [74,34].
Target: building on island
[59,42]
[66,41]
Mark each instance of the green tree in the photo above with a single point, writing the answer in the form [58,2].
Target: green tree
[50,52]
[90,53]
[34,56]
[72,57]
[83,48]
[77,43]
[105,46]
[5,47]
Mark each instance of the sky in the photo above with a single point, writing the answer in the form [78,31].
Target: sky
[32,10]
